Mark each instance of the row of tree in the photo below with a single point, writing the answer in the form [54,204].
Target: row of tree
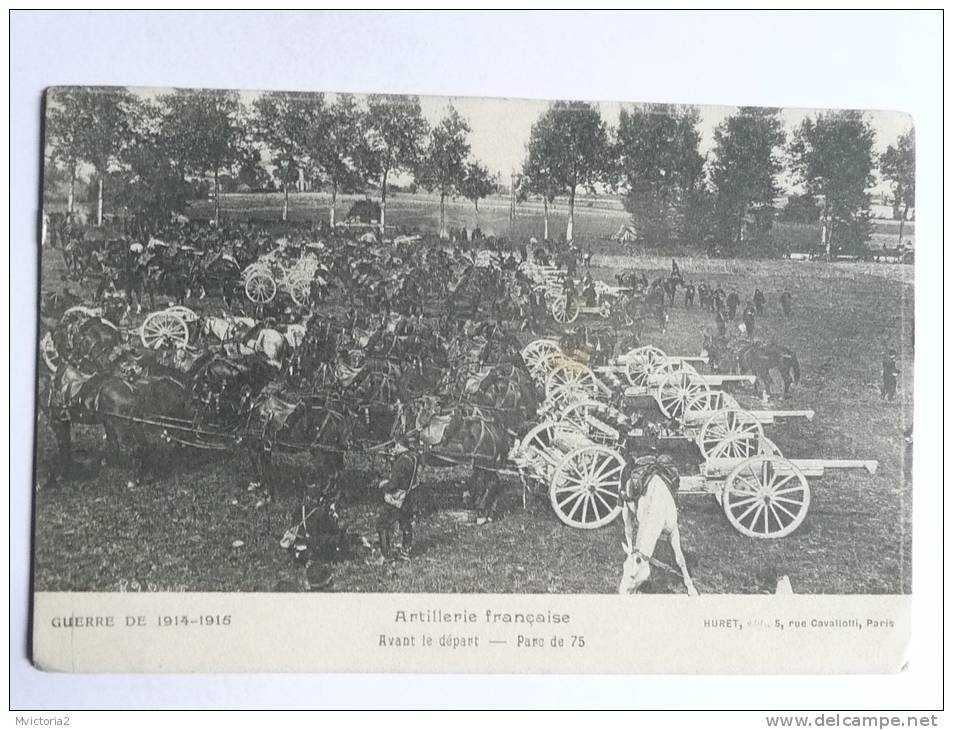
[652,159]
[152,147]
[149,151]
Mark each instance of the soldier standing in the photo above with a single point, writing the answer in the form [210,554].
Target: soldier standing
[758,301]
[400,500]
[786,303]
[888,389]
[689,295]
[749,319]
[733,301]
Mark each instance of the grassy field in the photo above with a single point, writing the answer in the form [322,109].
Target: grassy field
[597,218]
[177,533]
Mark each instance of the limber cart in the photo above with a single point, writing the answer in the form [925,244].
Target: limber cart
[173,326]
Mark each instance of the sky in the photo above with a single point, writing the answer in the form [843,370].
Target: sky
[501,127]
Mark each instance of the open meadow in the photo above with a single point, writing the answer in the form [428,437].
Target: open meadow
[178,532]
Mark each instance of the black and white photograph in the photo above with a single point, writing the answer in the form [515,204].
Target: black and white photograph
[298,342]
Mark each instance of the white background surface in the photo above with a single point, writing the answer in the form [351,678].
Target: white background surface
[874,61]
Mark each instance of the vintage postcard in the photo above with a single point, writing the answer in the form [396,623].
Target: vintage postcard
[332,382]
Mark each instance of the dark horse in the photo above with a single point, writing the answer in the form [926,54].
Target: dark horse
[279,422]
[464,435]
[117,404]
[186,407]
[758,358]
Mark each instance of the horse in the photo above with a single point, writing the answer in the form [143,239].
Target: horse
[117,404]
[87,341]
[649,513]
[461,435]
[753,357]
[277,421]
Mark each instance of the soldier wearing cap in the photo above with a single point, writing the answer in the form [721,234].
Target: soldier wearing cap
[400,498]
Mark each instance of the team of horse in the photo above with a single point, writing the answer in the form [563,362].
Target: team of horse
[391,366]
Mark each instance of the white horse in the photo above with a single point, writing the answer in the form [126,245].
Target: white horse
[650,518]
[227,327]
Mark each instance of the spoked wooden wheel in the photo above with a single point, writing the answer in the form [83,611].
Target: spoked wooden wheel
[565,310]
[541,448]
[538,356]
[680,392]
[598,421]
[585,487]
[674,365]
[51,358]
[569,382]
[260,287]
[730,434]
[766,497]
[300,289]
[640,363]
[165,327]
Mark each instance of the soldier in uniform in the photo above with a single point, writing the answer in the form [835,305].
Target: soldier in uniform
[400,494]
[759,301]
[749,319]
[786,303]
[888,388]
[733,301]
[689,295]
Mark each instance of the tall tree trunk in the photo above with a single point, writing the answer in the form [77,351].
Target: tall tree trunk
[217,203]
[825,233]
[383,201]
[545,218]
[476,214]
[284,208]
[334,200]
[572,211]
[443,216]
[99,203]
[903,218]
[72,189]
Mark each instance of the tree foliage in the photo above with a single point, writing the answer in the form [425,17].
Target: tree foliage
[339,148]
[744,173]
[568,148]
[94,123]
[443,166]
[658,168]
[832,156]
[205,132]
[898,165]
[396,134]
[477,183]
[285,122]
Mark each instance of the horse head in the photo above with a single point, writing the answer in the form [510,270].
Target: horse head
[636,569]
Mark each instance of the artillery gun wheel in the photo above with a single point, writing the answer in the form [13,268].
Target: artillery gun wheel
[640,363]
[730,434]
[539,450]
[168,326]
[680,392]
[51,358]
[766,497]
[260,287]
[571,381]
[585,486]
[565,312]
[538,356]
[578,415]
[299,287]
